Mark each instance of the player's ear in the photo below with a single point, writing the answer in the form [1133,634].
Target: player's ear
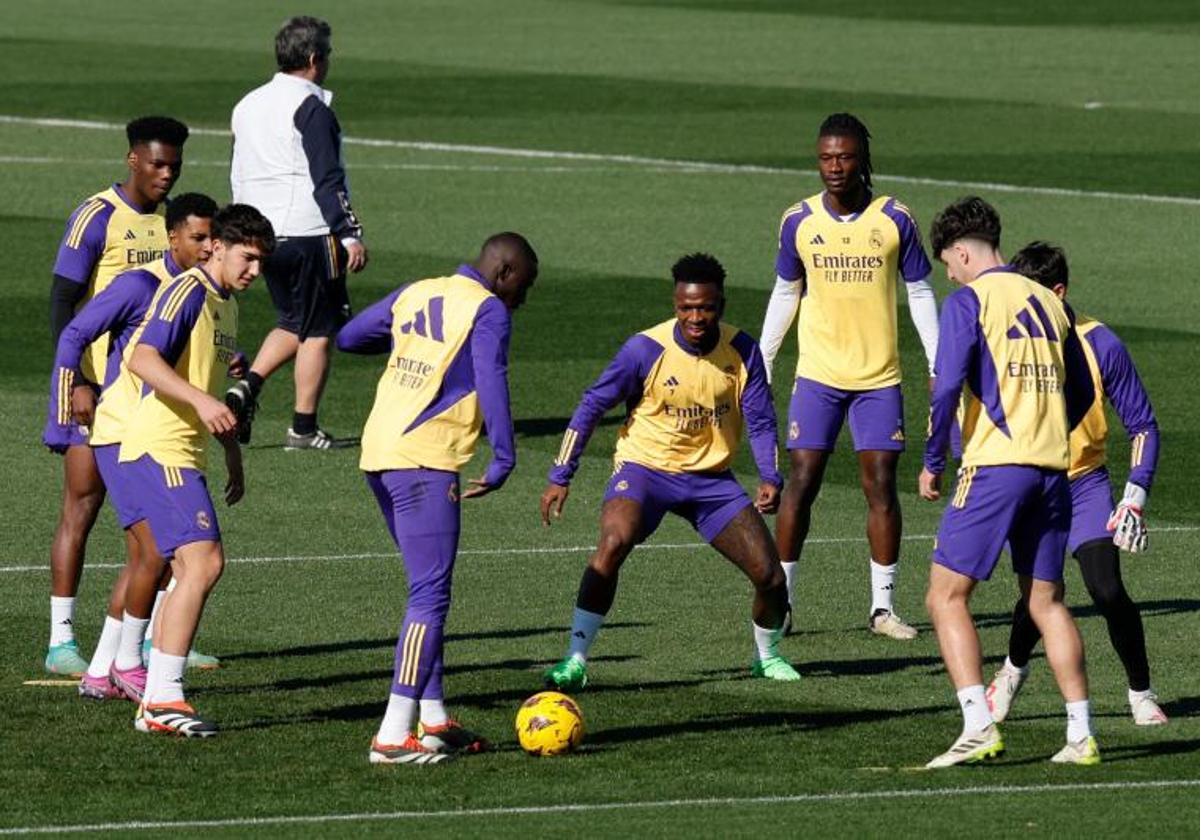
[131,159]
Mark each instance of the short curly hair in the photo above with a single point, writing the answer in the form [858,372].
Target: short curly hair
[967,218]
[699,268]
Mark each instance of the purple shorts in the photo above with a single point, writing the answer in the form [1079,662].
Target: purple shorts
[817,412]
[707,500]
[175,503]
[1028,507]
[1091,505]
[59,436]
[116,481]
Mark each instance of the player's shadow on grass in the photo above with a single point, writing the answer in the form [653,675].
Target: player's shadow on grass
[554,426]
[855,667]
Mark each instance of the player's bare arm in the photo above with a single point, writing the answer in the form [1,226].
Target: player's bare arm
[149,365]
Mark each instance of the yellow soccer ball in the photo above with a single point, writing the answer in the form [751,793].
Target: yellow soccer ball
[549,723]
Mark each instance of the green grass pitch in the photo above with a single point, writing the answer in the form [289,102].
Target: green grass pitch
[1087,114]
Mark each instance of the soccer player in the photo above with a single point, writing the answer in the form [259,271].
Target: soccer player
[1098,529]
[1009,355]
[446,375]
[689,383]
[181,356]
[841,253]
[116,229]
[287,162]
[117,312]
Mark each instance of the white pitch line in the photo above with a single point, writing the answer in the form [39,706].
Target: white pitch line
[22,160]
[667,164]
[537,810]
[509,552]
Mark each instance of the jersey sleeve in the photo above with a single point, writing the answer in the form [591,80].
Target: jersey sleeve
[914,264]
[758,410]
[370,331]
[83,241]
[620,382]
[320,136]
[175,314]
[489,359]
[1129,399]
[958,334]
[123,302]
[788,265]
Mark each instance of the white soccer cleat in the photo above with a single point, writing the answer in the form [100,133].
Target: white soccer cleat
[971,748]
[1003,690]
[1147,712]
[887,623]
[1085,752]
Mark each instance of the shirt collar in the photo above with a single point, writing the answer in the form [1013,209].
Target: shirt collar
[996,269]
[465,270]
[833,214]
[129,202]
[682,343]
[172,266]
[326,96]
[212,284]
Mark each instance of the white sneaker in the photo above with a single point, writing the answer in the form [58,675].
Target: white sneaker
[1003,690]
[1085,752]
[971,748]
[1147,712]
[887,623]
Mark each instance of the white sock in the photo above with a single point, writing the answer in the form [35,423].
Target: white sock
[398,720]
[584,628]
[133,633]
[159,597]
[106,648]
[1008,664]
[164,682]
[976,714]
[62,620]
[765,641]
[433,712]
[1136,696]
[1079,721]
[789,575]
[883,583]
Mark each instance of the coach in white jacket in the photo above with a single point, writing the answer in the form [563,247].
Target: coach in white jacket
[287,162]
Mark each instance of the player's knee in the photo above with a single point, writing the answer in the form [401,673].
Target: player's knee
[1108,594]
[768,576]
[614,547]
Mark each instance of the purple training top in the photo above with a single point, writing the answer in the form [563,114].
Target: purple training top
[1123,388]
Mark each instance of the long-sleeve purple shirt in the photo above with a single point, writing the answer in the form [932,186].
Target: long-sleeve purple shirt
[1125,391]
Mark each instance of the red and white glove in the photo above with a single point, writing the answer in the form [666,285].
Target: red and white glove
[1127,522]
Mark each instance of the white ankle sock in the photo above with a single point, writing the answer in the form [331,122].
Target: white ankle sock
[765,641]
[164,682]
[789,574]
[1008,664]
[1079,721]
[883,583]
[584,628]
[973,702]
[133,633]
[62,620]
[1135,696]
[106,648]
[398,720]
[433,712]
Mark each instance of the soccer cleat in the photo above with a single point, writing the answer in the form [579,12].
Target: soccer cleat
[97,688]
[319,439]
[202,661]
[1085,752]
[568,675]
[1003,690]
[240,400]
[1147,712]
[131,682]
[887,623]
[971,748]
[411,751]
[451,737]
[774,668]
[65,659]
[174,718]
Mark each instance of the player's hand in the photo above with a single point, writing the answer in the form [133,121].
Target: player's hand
[238,366]
[553,499]
[477,487]
[766,501]
[216,416]
[235,484]
[1128,523]
[356,261]
[83,404]
[929,485]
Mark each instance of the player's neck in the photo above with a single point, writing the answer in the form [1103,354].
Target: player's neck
[848,203]
[135,196]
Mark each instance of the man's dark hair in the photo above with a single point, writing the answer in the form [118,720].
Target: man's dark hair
[1043,262]
[189,204]
[967,218]
[848,125]
[161,129]
[299,40]
[241,224]
[515,242]
[699,268]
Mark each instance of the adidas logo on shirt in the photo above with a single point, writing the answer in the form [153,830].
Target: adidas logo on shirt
[817,240]
[130,235]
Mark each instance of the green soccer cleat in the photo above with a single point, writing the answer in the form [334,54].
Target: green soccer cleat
[774,668]
[568,675]
[65,659]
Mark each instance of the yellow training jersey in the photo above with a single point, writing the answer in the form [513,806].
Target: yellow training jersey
[847,326]
[193,325]
[106,236]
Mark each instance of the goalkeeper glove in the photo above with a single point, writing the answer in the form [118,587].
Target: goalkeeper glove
[1127,522]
